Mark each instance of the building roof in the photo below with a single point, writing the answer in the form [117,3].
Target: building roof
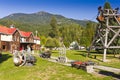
[36,38]
[25,34]
[10,31]
[6,30]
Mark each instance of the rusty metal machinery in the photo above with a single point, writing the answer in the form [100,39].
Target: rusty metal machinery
[23,58]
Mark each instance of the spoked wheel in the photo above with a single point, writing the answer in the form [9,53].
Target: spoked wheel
[19,58]
[23,59]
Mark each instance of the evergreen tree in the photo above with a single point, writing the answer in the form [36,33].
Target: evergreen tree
[107,5]
[54,30]
[70,33]
[87,34]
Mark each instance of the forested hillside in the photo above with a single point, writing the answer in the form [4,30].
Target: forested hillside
[53,26]
[42,18]
[37,21]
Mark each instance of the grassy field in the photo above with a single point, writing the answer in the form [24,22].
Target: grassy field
[44,70]
[80,55]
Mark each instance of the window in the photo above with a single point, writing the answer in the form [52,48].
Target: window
[3,46]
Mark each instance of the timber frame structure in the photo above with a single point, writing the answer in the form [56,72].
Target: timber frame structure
[108,31]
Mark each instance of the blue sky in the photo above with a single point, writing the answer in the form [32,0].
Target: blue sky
[76,9]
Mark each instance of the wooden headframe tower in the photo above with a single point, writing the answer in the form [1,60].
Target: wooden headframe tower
[108,31]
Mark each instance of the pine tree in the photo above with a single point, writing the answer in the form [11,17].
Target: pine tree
[87,34]
[107,5]
[54,29]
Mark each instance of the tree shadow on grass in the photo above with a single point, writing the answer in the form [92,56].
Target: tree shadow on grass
[106,73]
[87,52]
[4,57]
[90,56]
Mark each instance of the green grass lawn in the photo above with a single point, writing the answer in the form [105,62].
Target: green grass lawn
[79,55]
[44,70]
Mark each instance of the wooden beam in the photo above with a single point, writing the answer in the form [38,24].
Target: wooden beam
[112,30]
[106,39]
[98,47]
[101,37]
[113,38]
[114,47]
[114,26]
[117,20]
[111,14]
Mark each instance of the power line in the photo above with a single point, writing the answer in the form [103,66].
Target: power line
[94,17]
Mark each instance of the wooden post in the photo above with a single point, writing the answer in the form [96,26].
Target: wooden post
[106,40]
[105,49]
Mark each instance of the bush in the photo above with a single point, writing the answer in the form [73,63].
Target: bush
[51,43]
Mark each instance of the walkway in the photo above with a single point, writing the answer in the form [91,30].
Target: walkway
[106,71]
[109,69]
[54,59]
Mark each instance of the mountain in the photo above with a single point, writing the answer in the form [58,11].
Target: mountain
[41,18]
[40,21]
